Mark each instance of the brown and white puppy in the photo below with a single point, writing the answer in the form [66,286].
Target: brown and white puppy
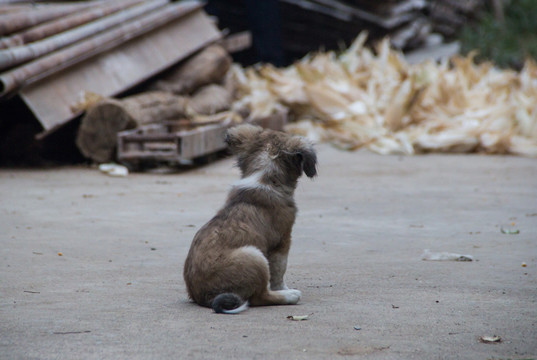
[243,249]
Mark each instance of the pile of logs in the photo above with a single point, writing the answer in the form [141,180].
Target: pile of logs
[188,94]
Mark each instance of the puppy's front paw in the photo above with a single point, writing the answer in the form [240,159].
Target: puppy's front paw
[292,296]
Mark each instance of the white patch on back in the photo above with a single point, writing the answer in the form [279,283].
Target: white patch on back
[252,182]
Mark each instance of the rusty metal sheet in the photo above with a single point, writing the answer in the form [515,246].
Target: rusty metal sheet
[121,68]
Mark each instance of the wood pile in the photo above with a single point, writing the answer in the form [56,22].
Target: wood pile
[179,116]
[50,53]
[187,94]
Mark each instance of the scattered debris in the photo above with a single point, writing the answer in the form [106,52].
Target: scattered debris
[32,292]
[510,231]
[524,264]
[298,317]
[395,307]
[445,256]
[60,254]
[357,328]
[490,339]
[114,169]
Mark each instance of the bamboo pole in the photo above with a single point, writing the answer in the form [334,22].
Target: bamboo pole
[17,55]
[57,26]
[54,62]
[9,23]
[11,9]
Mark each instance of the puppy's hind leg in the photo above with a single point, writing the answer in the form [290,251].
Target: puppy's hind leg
[278,297]
[245,272]
[253,280]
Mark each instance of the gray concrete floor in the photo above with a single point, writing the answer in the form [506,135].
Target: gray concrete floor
[117,290]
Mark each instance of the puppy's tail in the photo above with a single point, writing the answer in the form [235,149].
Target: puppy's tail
[229,303]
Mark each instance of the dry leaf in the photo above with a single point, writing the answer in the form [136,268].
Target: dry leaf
[490,339]
[298,317]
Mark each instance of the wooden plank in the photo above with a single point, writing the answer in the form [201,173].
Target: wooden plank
[202,141]
[237,42]
[155,155]
[275,121]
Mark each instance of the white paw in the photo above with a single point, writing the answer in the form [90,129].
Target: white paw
[292,296]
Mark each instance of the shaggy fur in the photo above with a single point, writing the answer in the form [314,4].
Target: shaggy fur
[243,249]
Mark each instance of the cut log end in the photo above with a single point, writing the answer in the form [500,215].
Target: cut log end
[97,135]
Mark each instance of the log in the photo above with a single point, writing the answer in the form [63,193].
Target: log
[97,134]
[210,100]
[207,67]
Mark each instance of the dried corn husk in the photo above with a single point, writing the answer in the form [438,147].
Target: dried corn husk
[377,100]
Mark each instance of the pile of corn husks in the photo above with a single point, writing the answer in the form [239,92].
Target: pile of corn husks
[379,101]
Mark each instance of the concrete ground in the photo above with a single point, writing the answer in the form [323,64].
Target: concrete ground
[117,290]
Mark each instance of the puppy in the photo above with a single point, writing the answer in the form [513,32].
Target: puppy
[243,249]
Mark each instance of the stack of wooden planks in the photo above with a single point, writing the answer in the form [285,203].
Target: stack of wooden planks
[310,25]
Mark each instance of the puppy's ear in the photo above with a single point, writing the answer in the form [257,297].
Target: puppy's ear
[305,159]
[309,162]
[238,137]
